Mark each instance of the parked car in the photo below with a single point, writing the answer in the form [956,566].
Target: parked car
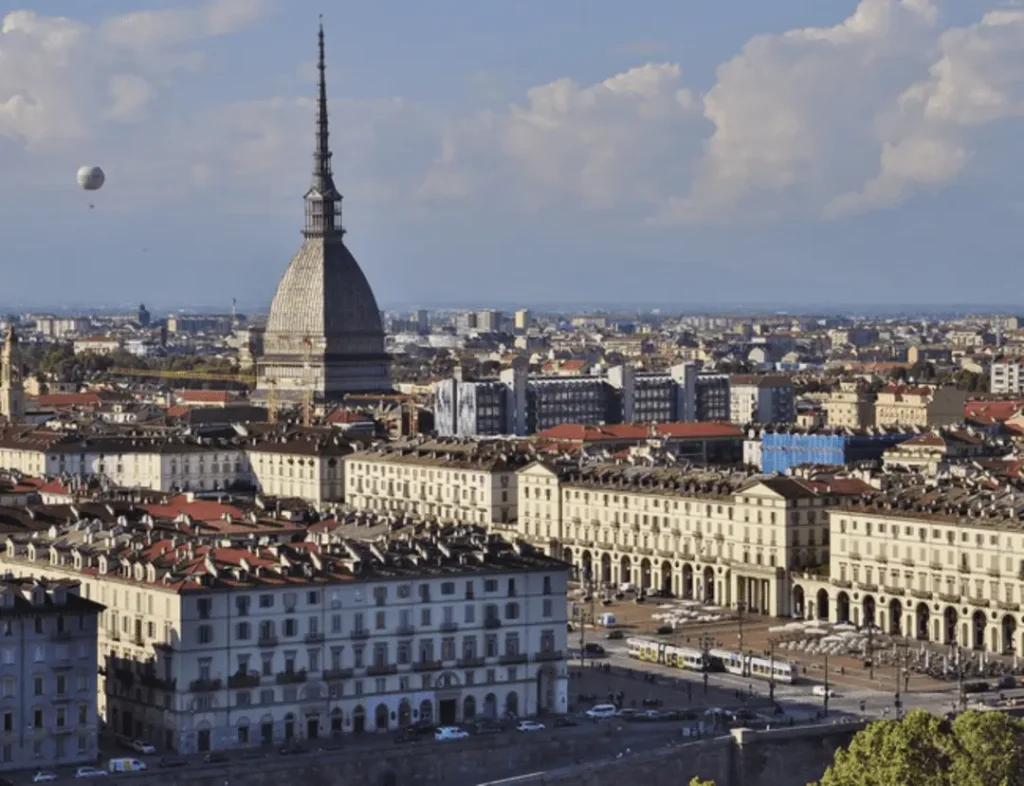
[143,747]
[90,772]
[665,630]
[487,726]
[215,757]
[126,765]
[593,649]
[615,634]
[530,726]
[450,733]
[602,711]
[43,776]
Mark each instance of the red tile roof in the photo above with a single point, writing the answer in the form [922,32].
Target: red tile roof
[207,396]
[997,410]
[69,400]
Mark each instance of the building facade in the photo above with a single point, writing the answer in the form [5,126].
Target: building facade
[920,405]
[761,399]
[940,565]
[207,648]
[463,481]
[1006,376]
[48,674]
[850,407]
[719,538]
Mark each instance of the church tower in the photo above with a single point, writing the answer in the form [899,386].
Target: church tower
[12,391]
[324,333]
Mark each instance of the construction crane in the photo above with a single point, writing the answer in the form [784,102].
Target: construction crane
[244,378]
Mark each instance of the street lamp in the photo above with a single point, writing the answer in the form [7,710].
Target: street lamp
[771,671]
[705,642]
[740,607]
[825,697]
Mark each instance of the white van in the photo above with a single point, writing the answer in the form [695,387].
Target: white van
[126,765]
[602,711]
[607,620]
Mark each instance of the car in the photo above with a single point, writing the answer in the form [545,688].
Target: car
[602,711]
[5,782]
[90,772]
[562,722]
[143,747]
[593,649]
[42,776]
[821,690]
[615,635]
[215,757]
[450,733]
[530,726]
[292,749]
[666,630]
[167,762]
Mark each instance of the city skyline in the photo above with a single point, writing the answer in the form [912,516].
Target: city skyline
[860,153]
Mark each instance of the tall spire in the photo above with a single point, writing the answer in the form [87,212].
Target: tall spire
[323,202]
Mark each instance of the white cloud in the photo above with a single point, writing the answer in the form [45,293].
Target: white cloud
[818,122]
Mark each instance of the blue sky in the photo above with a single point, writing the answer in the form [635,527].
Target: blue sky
[519,152]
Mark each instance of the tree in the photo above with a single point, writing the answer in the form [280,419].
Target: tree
[698,782]
[976,749]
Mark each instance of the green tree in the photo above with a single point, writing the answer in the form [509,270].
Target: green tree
[976,749]
[698,782]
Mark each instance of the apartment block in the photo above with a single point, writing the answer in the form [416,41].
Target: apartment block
[206,647]
[47,674]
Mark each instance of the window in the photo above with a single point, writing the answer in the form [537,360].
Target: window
[266,601]
[38,686]
[511,588]
[204,668]
[205,634]
[8,721]
[62,685]
[547,585]
[37,719]
[39,624]
[380,595]
[425,618]
[266,630]
[267,667]
[314,660]
[290,627]
[313,597]
[548,607]
[470,614]
[448,588]
[335,623]
[204,606]
[357,656]
[242,605]
[511,611]
[404,652]
[60,717]
[243,631]
[491,585]
[83,714]
[381,620]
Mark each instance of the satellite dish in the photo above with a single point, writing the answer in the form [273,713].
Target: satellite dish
[91,178]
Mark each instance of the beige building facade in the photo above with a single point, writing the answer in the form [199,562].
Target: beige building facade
[921,405]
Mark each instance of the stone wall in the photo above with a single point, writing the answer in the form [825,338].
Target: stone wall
[782,757]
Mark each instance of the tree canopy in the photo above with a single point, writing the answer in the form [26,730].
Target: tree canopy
[975,749]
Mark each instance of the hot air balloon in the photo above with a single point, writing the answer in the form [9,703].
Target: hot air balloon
[91,178]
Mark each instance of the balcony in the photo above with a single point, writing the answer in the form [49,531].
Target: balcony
[492,622]
[882,559]
[204,686]
[449,627]
[314,637]
[936,566]
[666,554]
[947,597]
[867,586]
[427,665]
[150,680]
[982,602]
[994,572]
[244,680]
[472,662]
[908,562]
[405,630]
[894,590]
[1007,606]
[921,594]
[843,583]
[333,675]
[511,660]
[550,655]
[268,641]
[291,677]
[360,633]
[965,568]
[381,669]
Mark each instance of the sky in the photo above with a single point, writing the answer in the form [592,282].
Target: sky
[518,151]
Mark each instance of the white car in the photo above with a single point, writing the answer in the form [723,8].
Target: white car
[450,733]
[530,726]
[44,776]
[821,690]
[143,747]
[601,711]
[90,772]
